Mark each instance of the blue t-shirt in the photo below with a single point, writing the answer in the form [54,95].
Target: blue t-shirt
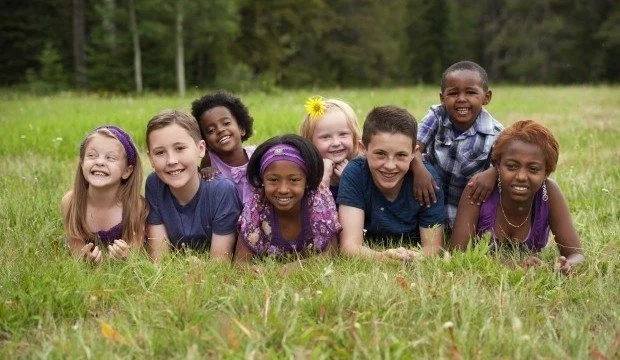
[383,218]
[214,209]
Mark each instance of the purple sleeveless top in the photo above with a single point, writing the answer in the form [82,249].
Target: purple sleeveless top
[539,232]
[107,237]
[236,174]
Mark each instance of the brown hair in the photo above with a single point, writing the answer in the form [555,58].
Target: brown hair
[389,119]
[530,132]
[308,125]
[135,208]
[171,117]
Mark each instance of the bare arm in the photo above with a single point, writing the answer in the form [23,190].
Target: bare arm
[424,185]
[561,223]
[351,237]
[481,185]
[432,240]
[157,239]
[222,247]
[464,227]
[242,253]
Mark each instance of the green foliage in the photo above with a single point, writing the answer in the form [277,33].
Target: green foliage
[51,76]
[483,305]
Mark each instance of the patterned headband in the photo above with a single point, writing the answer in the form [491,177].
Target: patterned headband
[282,152]
[125,139]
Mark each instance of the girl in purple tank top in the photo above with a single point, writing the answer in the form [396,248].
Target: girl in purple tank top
[104,212]
[526,204]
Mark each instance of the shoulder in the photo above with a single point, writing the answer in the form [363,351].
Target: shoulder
[65,201]
[358,163]
[153,180]
[219,188]
[553,189]
[356,168]
[434,115]
[494,126]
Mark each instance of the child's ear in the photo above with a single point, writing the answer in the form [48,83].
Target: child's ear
[487,98]
[362,149]
[148,153]
[441,97]
[416,148]
[127,173]
[202,147]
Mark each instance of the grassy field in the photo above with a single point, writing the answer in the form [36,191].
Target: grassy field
[472,305]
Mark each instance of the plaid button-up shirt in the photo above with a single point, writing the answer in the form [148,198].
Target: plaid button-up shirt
[457,158]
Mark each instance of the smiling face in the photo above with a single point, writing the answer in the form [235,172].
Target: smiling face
[521,170]
[285,185]
[174,155]
[333,137]
[389,156]
[104,163]
[463,97]
[221,130]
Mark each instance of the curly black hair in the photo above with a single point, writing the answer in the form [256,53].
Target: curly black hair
[223,98]
[466,65]
[309,153]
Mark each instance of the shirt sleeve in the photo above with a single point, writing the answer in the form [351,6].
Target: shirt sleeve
[352,185]
[152,190]
[434,215]
[227,208]
[428,127]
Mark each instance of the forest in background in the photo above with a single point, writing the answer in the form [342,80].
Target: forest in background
[241,45]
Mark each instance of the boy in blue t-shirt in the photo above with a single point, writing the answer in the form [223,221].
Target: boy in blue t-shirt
[186,211]
[375,190]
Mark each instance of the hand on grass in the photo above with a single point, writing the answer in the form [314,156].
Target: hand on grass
[91,253]
[563,266]
[119,250]
[531,262]
[400,254]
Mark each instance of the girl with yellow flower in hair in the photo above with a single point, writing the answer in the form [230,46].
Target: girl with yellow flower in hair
[331,125]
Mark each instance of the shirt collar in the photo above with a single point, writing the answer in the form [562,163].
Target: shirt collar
[483,123]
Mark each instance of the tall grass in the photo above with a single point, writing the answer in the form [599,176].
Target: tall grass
[473,305]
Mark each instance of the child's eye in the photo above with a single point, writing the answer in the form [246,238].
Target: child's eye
[324,137]
[91,156]
[534,169]
[227,122]
[111,157]
[181,148]
[210,130]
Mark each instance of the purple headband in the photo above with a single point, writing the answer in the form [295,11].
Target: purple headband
[125,139]
[282,152]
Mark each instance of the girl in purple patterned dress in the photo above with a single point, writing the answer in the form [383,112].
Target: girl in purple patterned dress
[288,213]
[104,210]
[526,204]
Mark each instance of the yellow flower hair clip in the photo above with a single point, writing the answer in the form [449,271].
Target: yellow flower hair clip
[315,107]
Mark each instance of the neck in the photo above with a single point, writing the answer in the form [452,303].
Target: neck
[103,197]
[187,192]
[235,158]
[289,215]
[517,208]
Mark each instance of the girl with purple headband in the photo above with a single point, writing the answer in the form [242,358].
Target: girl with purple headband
[289,214]
[105,211]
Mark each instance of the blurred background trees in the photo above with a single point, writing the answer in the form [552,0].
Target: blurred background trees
[130,45]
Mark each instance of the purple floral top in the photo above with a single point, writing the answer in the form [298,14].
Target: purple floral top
[259,228]
[235,173]
[539,232]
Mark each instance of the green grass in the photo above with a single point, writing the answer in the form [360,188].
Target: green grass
[189,307]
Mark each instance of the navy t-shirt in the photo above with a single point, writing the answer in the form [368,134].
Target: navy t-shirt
[214,209]
[383,218]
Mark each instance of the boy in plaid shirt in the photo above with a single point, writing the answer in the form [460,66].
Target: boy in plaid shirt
[456,137]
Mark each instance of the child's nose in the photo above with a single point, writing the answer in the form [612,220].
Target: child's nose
[172,159]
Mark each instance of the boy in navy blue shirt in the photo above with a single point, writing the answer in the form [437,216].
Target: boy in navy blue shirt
[375,191]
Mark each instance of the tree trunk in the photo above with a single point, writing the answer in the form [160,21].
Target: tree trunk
[180,59]
[137,54]
[109,27]
[79,44]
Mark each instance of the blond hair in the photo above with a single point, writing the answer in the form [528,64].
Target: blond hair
[308,125]
[135,208]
